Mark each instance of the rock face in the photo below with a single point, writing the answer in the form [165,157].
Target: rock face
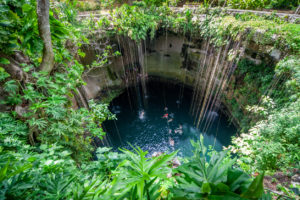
[172,57]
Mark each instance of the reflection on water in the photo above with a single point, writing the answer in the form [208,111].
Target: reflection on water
[165,124]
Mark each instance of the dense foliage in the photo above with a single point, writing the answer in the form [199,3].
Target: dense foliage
[49,172]
[46,146]
[259,4]
[237,4]
[272,143]
[214,179]
[45,102]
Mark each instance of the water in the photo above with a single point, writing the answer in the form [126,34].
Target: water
[145,126]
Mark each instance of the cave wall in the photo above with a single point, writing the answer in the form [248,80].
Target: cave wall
[107,81]
[169,56]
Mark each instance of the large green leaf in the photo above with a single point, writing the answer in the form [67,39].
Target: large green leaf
[159,162]
[238,180]
[256,189]
[206,189]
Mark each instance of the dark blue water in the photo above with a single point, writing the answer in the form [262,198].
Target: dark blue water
[142,124]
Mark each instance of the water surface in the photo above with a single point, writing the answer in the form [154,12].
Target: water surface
[141,122]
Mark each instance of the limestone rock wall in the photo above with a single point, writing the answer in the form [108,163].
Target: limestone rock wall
[168,56]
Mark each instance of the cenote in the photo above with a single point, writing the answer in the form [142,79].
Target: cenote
[161,118]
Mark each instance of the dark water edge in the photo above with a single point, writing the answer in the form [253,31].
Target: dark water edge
[140,120]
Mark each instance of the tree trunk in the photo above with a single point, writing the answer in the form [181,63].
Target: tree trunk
[44,30]
[13,68]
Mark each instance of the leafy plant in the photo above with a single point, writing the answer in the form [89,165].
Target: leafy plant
[271,144]
[135,21]
[259,4]
[139,177]
[214,179]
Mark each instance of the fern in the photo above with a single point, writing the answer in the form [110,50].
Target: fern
[40,123]
[11,86]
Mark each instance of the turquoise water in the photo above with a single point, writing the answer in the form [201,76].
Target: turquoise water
[140,121]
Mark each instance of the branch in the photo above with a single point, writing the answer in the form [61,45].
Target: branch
[13,68]
[44,31]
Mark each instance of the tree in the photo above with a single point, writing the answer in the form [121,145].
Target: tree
[44,31]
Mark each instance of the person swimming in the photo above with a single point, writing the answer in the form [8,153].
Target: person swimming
[179,129]
[157,153]
[170,120]
[142,114]
[165,116]
[171,141]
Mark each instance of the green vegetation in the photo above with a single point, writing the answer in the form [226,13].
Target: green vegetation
[46,146]
[259,4]
[264,30]
[272,142]
[135,21]
[88,5]
[215,179]
[49,172]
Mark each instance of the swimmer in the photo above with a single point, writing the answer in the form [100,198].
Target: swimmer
[175,163]
[165,116]
[179,129]
[166,109]
[170,120]
[170,131]
[142,114]
[156,154]
[171,141]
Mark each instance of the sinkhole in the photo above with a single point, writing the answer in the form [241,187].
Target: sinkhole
[161,120]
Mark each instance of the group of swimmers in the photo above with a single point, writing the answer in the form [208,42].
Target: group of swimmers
[170,119]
